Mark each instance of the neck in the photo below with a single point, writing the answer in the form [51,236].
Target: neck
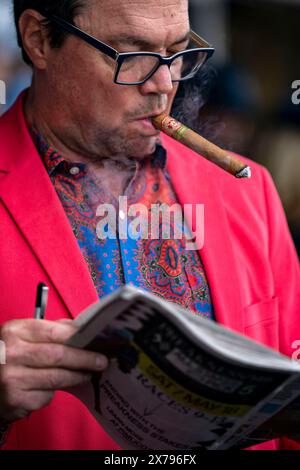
[113,175]
[34,115]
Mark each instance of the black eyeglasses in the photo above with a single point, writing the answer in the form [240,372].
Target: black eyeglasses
[135,68]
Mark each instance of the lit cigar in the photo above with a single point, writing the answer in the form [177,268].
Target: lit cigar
[203,147]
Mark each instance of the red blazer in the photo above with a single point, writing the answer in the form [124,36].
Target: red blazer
[250,261]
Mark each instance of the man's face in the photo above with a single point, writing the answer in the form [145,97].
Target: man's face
[90,113]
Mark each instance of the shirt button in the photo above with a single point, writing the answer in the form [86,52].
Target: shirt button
[74,170]
[122,215]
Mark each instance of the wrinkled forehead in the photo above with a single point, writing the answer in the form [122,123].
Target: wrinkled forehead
[166,21]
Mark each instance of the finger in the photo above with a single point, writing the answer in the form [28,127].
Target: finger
[49,355]
[52,379]
[20,403]
[41,331]
[34,400]
[65,321]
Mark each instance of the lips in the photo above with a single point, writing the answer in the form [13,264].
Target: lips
[150,116]
[146,124]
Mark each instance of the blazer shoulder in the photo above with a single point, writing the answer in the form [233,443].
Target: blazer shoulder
[238,196]
[14,135]
[197,165]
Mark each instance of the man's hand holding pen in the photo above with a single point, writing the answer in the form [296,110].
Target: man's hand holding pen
[38,363]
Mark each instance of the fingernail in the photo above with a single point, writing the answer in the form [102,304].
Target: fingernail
[101,362]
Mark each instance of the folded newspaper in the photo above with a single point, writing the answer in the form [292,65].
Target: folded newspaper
[177,381]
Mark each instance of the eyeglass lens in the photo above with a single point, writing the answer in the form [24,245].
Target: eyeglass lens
[138,68]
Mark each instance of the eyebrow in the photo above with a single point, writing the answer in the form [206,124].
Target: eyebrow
[142,43]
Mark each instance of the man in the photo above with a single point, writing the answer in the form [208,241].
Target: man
[78,138]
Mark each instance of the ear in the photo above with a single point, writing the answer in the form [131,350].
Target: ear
[34,37]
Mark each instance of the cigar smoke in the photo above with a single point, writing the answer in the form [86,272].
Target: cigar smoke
[191,99]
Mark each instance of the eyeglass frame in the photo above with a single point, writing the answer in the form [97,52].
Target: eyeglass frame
[120,57]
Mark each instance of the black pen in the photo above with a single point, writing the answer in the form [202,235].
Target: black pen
[41,301]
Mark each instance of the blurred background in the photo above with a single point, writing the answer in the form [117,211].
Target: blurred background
[248,86]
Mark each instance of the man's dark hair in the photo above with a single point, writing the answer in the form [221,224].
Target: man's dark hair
[66,9]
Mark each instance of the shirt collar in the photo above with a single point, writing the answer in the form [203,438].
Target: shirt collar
[51,158]
[54,161]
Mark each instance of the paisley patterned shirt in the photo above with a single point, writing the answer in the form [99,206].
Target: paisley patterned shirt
[118,244]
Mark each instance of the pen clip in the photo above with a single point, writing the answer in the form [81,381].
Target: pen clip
[41,301]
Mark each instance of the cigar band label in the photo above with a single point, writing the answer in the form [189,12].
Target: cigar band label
[174,128]
[180,133]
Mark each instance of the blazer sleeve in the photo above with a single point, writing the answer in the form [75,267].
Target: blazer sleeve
[286,271]
[285,267]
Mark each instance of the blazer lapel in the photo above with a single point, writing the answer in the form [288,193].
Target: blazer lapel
[194,183]
[29,196]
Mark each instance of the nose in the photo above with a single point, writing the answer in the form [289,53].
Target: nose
[160,83]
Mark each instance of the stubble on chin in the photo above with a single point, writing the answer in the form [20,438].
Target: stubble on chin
[116,146]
